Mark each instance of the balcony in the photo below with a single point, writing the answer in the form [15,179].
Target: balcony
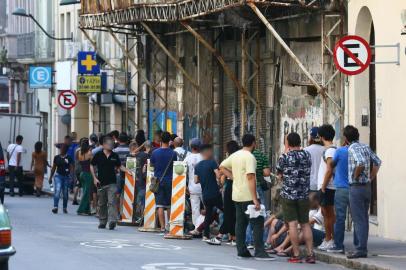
[26,45]
[35,45]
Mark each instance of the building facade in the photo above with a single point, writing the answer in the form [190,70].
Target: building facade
[375,101]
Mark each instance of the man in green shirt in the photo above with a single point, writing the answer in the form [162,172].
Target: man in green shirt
[263,170]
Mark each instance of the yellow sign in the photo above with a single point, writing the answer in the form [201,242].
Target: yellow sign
[89,84]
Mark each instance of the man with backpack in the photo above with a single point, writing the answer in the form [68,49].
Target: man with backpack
[325,184]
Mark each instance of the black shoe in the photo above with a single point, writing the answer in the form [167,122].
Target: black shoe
[356,255]
[112,225]
[264,257]
[20,194]
[65,211]
[75,202]
[55,210]
[102,226]
[245,255]
[11,194]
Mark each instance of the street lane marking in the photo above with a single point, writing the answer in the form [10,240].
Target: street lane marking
[103,244]
[160,246]
[191,266]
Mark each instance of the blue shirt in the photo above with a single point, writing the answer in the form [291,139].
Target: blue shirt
[162,158]
[71,150]
[360,154]
[340,161]
[207,177]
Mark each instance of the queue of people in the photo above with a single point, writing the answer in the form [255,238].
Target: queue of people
[227,201]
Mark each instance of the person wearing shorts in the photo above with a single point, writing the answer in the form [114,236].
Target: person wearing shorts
[294,169]
[162,160]
[326,186]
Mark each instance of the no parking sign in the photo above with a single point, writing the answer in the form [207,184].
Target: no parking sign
[67,100]
[352,55]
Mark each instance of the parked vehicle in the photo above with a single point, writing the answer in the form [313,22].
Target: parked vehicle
[6,248]
[30,127]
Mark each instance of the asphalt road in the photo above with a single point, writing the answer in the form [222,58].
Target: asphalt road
[67,241]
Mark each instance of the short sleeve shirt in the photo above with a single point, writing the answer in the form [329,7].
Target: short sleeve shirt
[340,161]
[241,163]
[13,150]
[63,164]
[106,167]
[328,153]
[262,163]
[295,166]
[162,158]
[207,177]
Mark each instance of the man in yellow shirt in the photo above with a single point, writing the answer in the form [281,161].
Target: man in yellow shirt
[241,167]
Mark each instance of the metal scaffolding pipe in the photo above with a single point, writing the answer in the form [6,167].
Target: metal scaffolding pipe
[221,60]
[285,46]
[319,88]
[99,52]
[126,54]
[173,59]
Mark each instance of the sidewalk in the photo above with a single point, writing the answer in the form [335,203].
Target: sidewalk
[383,254]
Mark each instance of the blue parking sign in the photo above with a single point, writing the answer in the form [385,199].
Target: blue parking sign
[40,77]
[87,63]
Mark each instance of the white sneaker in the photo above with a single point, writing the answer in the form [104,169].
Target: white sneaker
[323,245]
[329,245]
[214,241]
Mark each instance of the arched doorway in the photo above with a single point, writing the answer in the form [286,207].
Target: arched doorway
[365,95]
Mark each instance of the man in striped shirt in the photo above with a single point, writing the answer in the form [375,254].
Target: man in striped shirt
[363,166]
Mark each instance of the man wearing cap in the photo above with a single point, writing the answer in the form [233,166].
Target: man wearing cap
[195,190]
[316,150]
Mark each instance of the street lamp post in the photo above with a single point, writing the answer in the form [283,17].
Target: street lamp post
[22,13]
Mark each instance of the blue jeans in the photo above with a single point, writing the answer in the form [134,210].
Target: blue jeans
[61,186]
[360,199]
[341,203]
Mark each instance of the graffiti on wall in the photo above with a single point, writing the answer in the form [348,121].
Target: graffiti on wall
[301,121]
[157,121]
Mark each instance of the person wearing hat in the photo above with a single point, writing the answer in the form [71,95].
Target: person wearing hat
[195,190]
[316,150]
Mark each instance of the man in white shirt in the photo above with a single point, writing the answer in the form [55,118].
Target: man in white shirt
[14,152]
[316,150]
[195,190]
[326,186]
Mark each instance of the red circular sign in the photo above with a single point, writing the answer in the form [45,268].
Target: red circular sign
[352,55]
[67,99]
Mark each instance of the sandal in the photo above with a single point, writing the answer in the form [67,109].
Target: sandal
[282,254]
[271,251]
[311,259]
[295,259]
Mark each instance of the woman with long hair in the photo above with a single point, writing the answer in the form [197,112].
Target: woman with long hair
[228,226]
[85,178]
[38,166]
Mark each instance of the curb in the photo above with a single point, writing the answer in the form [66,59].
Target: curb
[340,259]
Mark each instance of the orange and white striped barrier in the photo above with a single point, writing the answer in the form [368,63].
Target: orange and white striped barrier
[177,217]
[128,200]
[150,207]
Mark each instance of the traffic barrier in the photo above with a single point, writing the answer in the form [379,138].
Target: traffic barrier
[127,216]
[177,217]
[150,207]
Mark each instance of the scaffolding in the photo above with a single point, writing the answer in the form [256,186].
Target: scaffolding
[156,19]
